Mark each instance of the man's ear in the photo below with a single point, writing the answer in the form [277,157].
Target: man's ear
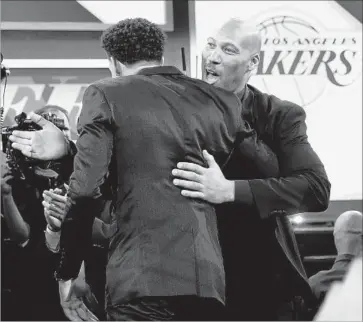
[255,60]
[119,67]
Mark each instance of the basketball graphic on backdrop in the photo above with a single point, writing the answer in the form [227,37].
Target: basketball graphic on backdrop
[298,61]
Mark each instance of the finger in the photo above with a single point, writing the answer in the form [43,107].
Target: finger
[90,301]
[56,219]
[25,149]
[73,302]
[17,136]
[54,216]
[53,208]
[48,206]
[69,314]
[72,315]
[55,196]
[81,313]
[47,192]
[188,175]
[190,185]
[5,172]
[193,194]
[46,198]
[191,167]
[209,158]
[57,191]
[41,121]
[7,178]
[69,309]
[23,141]
[88,312]
[60,205]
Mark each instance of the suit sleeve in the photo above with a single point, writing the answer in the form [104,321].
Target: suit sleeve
[91,163]
[302,185]
[257,152]
[252,149]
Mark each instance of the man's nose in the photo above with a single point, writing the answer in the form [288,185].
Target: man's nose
[214,57]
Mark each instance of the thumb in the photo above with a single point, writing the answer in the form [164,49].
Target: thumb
[41,121]
[209,158]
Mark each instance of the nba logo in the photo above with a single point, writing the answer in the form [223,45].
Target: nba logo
[298,60]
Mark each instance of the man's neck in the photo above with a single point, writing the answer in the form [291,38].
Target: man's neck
[137,67]
[242,92]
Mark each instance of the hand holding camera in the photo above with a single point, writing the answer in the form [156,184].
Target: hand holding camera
[35,139]
[48,143]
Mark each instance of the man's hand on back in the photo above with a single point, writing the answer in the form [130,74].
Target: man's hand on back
[204,183]
[46,144]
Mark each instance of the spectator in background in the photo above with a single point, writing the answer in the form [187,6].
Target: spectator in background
[344,299]
[27,264]
[59,112]
[348,242]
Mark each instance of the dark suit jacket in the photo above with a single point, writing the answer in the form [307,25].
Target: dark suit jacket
[139,127]
[259,248]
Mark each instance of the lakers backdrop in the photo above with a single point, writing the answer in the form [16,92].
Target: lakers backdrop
[312,56]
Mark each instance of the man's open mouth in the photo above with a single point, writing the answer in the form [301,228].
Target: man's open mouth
[210,72]
[211,76]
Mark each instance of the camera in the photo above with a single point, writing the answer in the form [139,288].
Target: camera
[31,170]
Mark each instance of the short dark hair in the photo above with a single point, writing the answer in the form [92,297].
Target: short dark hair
[46,108]
[134,40]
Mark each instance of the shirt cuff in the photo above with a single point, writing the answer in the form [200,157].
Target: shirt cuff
[52,239]
[243,193]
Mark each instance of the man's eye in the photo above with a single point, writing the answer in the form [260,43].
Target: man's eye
[211,45]
[229,50]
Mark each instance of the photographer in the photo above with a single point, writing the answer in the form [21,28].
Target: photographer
[25,225]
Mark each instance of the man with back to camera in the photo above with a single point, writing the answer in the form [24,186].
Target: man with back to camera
[252,214]
[165,261]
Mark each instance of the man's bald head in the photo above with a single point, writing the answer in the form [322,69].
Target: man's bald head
[245,33]
[349,221]
[348,233]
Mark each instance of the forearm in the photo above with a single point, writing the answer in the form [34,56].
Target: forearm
[76,236]
[304,192]
[307,191]
[18,228]
[91,163]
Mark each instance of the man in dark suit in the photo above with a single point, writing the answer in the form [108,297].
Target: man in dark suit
[165,260]
[263,267]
